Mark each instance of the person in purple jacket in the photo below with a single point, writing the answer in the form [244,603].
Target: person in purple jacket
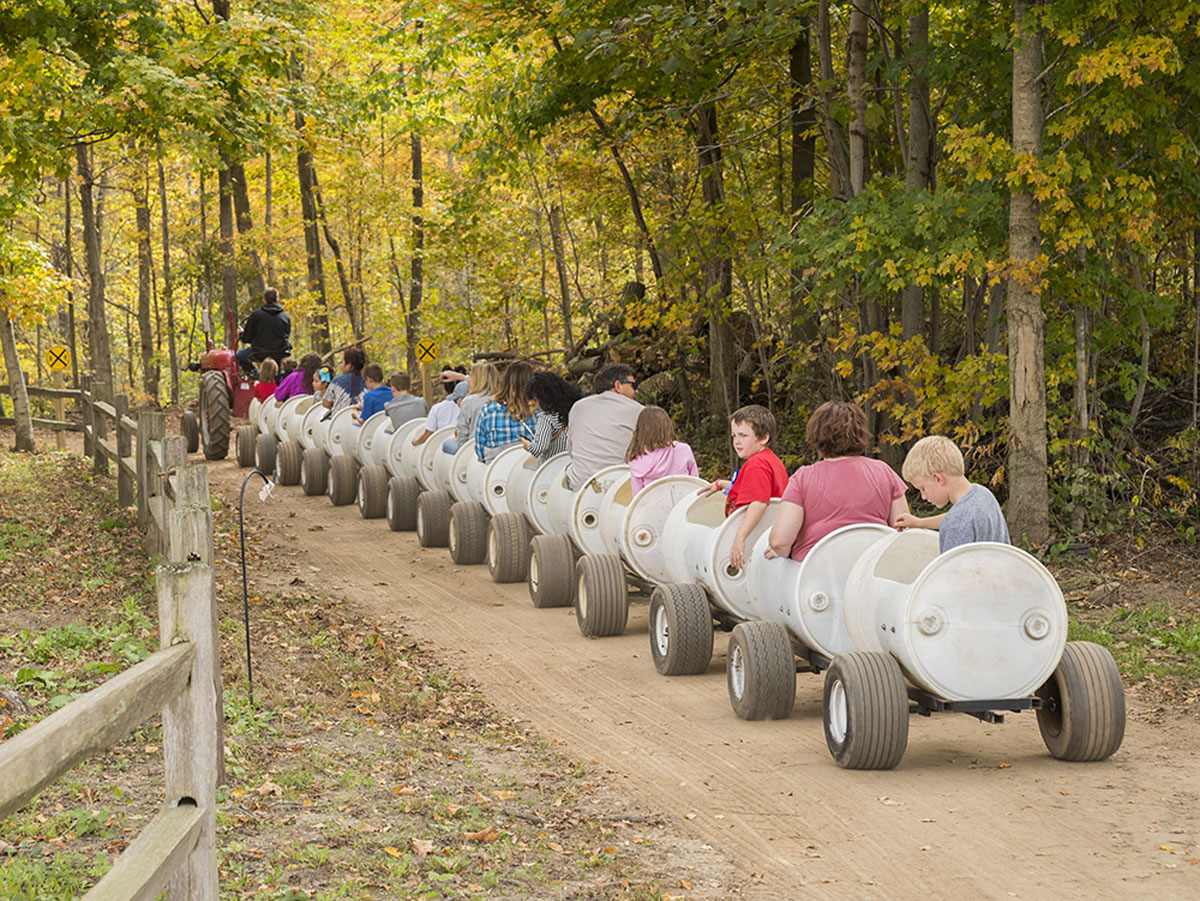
[299,380]
[653,451]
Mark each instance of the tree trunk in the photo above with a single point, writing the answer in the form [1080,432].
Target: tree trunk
[335,247]
[717,268]
[269,207]
[245,223]
[920,131]
[229,292]
[141,206]
[67,232]
[856,80]
[1196,327]
[98,347]
[835,140]
[168,296]
[1082,424]
[312,240]
[560,263]
[803,120]
[22,415]
[1028,503]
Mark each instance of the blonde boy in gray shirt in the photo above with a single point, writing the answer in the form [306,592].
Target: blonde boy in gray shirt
[935,468]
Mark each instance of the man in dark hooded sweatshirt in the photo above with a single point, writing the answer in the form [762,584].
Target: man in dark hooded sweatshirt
[267,331]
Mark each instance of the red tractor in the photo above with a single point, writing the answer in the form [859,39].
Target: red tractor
[225,392]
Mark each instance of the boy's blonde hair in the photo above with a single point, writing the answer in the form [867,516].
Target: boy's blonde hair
[934,453]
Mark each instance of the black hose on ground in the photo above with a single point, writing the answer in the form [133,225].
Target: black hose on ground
[268,485]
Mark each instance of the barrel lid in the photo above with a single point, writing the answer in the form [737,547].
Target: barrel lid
[503,483]
[458,470]
[342,431]
[544,478]
[641,546]
[585,508]
[984,620]
[428,456]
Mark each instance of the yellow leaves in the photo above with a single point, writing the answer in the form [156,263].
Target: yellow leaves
[394,852]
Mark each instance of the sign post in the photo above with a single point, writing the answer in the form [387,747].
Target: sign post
[427,352]
[58,360]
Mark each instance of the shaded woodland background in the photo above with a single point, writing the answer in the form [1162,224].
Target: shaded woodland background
[974,218]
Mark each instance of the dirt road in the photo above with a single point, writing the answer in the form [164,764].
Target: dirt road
[974,810]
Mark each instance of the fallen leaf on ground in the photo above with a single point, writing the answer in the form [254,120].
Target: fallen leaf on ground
[503,795]
[395,852]
[490,834]
[269,788]
[422,846]
[404,790]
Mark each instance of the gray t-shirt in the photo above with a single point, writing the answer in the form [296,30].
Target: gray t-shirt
[403,407]
[468,412]
[977,517]
[599,433]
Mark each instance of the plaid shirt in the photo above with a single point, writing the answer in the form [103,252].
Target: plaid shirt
[495,428]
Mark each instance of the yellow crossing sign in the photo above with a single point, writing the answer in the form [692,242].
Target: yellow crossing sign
[427,350]
[58,358]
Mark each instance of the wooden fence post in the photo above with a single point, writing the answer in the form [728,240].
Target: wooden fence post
[99,430]
[86,411]
[152,426]
[124,479]
[187,610]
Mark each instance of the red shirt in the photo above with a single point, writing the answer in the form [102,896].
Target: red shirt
[264,390]
[761,478]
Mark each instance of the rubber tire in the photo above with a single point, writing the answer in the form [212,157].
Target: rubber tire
[508,548]
[189,428]
[372,491]
[551,571]
[243,445]
[433,518]
[1083,712]
[869,689]
[314,471]
[287,463]
[760,671]
[403,492]
[681,630]
[467,535]
[264,453]
[343,480]
[601,598]
[214,414]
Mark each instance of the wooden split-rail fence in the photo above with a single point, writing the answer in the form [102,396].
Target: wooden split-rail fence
[176,852]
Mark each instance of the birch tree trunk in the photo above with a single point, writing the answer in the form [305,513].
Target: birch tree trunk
[1028,502]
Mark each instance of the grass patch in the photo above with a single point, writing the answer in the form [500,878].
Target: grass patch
[1156,643]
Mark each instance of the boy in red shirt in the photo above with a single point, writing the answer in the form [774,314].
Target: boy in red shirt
[760,478]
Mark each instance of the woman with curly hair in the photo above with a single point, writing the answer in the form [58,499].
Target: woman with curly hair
[300,379]
[555,396]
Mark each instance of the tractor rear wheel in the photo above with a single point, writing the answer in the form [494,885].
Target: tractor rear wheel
[214,414]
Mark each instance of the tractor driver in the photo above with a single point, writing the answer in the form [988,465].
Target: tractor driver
[267,332]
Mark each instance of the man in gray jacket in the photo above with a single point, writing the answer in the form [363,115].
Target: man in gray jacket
[602,424]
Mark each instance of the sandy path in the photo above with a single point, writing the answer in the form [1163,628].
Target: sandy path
[974,810]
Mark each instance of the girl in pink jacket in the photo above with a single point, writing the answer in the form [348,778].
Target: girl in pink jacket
[653,451]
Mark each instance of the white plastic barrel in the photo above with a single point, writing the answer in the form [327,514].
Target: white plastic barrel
[476,475]
[343,433]
[268,416]
[586,526]
[292,416]
[315,428]
[613,507]
[399,440]
[458,470]
[641,535]
[537,496]
[409,457]
[369,432]
[697,540]
[982,621]
[506,481]
[287,412]
[431,450]
[254,413]
[443,463]
[809,597]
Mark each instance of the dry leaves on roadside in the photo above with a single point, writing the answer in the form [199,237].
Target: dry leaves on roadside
[422,846]
[490,834]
